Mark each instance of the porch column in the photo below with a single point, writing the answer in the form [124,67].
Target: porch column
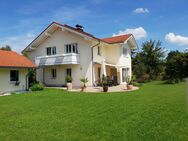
[121,79]
[94,80]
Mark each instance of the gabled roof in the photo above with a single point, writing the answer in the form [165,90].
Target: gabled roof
[117,39]
[111,40]
[13,59]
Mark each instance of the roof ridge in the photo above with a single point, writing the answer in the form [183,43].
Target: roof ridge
[129,34]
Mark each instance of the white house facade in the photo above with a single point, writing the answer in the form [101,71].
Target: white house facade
[14,70]
[61,50]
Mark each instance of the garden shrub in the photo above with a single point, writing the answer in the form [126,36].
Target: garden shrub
[37,87]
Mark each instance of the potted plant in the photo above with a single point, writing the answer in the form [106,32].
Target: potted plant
[69,82]
[84,81]
[129,83]
[104,84]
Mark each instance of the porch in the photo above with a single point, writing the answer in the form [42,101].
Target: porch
[116,75]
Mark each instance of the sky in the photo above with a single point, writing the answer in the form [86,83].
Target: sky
[165,20]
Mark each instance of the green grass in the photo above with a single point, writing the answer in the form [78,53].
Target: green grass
[156,112]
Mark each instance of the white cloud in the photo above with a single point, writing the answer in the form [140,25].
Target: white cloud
[138,33]
[141,10]
[18,43]
[176,39]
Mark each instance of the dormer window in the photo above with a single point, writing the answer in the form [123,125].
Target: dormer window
[71,48]
[51,51]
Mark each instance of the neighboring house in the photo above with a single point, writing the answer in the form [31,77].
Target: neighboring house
[61,50]
[14,71]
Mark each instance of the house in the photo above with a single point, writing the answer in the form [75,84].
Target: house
[62,50]
[14,71]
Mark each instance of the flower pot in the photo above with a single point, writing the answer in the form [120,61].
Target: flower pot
[129,87]
[105,88]
[69,86]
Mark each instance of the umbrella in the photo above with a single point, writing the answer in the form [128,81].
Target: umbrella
[103,68]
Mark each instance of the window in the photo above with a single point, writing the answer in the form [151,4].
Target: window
[51,50]
[99,50]
[125,51]
[71,48]
[125,74]
[53,74]
[14,75]
[69,72]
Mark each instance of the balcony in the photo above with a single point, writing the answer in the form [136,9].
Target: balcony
[59,59]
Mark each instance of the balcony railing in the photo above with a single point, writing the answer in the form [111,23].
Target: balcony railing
[60,59]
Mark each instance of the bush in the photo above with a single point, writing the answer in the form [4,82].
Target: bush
[37,87]
[68,79]
[144,78]
[84,81]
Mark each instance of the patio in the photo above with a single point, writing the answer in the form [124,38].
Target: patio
[118,88]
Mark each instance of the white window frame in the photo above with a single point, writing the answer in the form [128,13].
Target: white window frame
[99,50]
[14,81]
[53,73]
[71,48]
[125,51]
[52,51]
[69,72]
[127,71]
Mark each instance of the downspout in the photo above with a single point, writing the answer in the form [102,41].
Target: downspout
[92,60]
[26,81]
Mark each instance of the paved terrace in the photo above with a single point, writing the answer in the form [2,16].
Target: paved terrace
[118,88]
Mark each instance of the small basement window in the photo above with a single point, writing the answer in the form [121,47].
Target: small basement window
[14,76]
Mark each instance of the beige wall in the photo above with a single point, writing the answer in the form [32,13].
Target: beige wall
[59,39]
[61,75]
[113,54]
[6,85]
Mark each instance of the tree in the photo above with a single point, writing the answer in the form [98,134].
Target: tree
[149,61]
[7,47]
[176,66]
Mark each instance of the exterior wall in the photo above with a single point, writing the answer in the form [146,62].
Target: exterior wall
[61,75]
[59,39]
[125,61]
[114,55]
[7,86]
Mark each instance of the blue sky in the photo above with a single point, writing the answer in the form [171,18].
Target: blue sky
[163,20]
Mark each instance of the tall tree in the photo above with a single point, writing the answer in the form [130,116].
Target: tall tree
[149,60]
[7,47]
[176,66]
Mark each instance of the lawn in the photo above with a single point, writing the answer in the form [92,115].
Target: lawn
[156,112]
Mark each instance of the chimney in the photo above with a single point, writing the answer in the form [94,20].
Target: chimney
[79,27]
